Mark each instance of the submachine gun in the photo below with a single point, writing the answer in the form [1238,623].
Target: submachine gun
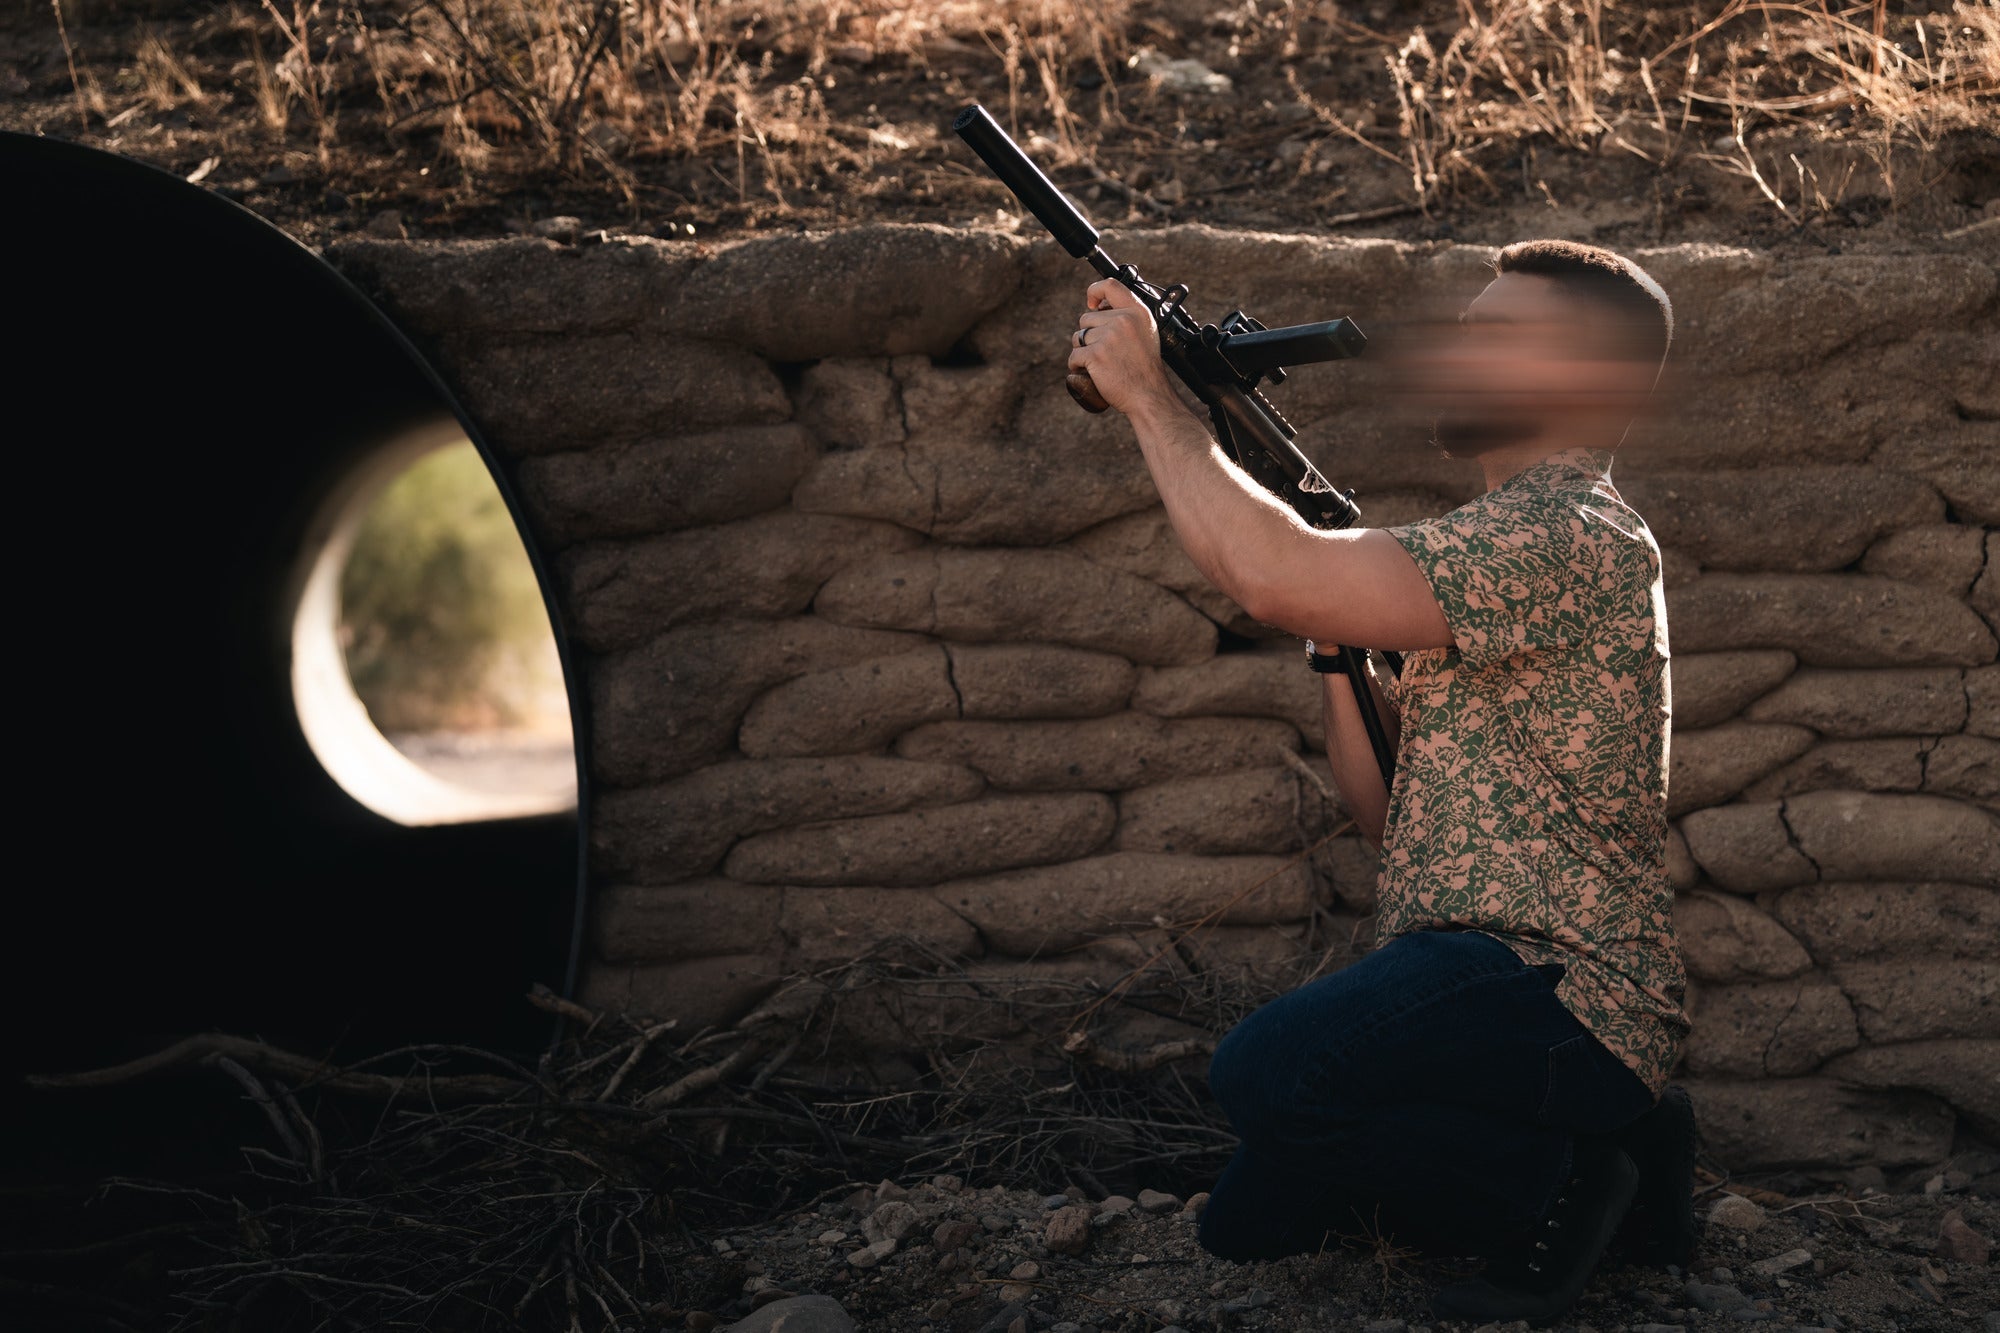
[1223,364]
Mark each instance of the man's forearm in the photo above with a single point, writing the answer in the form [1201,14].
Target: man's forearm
[1355,585]
[1351,756]
[1235,532]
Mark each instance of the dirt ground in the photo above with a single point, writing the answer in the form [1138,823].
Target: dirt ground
[976,1261]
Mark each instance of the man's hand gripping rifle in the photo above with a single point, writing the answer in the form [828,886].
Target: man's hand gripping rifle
[1223,365]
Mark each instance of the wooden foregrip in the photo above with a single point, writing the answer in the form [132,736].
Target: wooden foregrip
[1084,390]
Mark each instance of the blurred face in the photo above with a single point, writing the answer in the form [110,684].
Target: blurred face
[1525,359]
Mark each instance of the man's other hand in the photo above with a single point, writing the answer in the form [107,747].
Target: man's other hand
[1120,347]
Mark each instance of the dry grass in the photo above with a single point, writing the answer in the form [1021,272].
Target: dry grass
[754,112]
[1650,80]
[165,80]
[441,1186]
[599,86]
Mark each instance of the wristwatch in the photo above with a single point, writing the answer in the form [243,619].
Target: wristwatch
[1327,664]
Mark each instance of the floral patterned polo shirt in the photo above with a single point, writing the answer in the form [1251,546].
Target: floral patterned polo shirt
[1531,781]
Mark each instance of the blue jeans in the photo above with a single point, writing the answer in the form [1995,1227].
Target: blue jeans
[1431,1091]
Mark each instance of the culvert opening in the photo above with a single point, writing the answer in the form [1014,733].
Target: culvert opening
[425,672]
[213,402]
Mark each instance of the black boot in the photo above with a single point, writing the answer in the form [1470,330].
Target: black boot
[1539,1274]
[1661,1143]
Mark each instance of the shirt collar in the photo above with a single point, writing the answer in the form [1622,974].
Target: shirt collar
[1593,463]
[1597,461]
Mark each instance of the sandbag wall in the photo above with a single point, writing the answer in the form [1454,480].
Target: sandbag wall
[892,654]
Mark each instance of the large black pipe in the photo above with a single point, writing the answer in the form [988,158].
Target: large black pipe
[186,386]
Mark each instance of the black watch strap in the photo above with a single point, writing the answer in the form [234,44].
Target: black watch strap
[1326,663]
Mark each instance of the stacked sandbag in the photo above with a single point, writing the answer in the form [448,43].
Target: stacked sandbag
[897,673]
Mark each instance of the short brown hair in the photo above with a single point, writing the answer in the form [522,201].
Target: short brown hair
[1597,274]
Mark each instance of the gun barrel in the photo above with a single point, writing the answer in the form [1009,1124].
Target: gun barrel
[1026,180]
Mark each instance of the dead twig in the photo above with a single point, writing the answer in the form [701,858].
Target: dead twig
[1082,1046]
[301,1069]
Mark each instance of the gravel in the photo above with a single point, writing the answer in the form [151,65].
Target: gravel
[954,1258]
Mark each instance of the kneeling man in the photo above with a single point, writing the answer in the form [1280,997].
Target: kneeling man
[1491,1079]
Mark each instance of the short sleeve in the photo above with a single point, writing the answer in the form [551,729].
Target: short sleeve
[1503,572]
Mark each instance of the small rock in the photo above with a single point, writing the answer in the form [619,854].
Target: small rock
[1959,1243]
[1158,1201]
[949,1236]
[1715,1297]
[562,228]
[832,1236]
[1385,1326]
[387,224]
[1117,1203]
[1935,1185]
[1179,76]
[1254,1299]
[1658,1328]
[1004,1318]
[1054,1201]
[1782,1263]
[794,1314]
[947,1184]
[1197,1203]
[700,1321]
[1749,1314]
[1067,1230]
[892,1221]
[888,1190]
[1025,1271]
[870,1255]
[720,1245]
[1736,1213]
